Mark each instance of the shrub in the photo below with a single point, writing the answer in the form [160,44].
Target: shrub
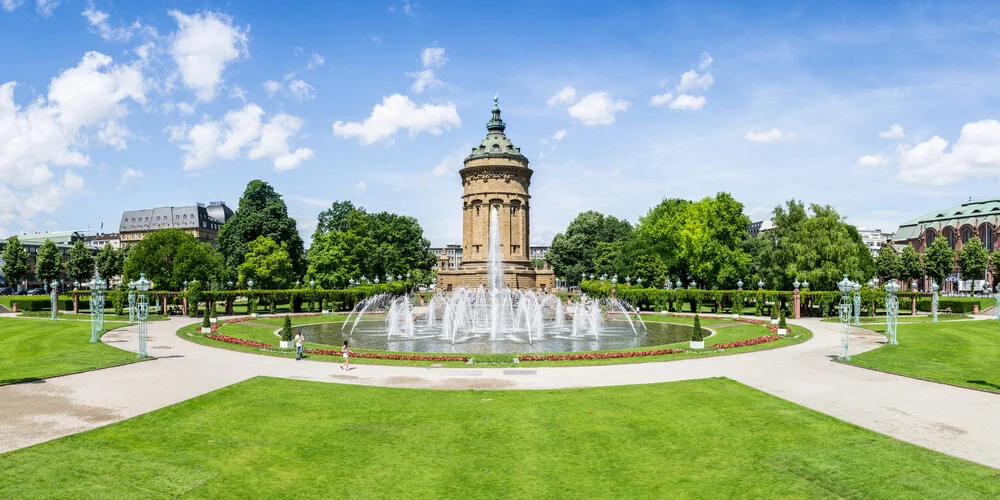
[205,322]
[697,334]
[286,330]
[781,320]
[480,359]
[774,311]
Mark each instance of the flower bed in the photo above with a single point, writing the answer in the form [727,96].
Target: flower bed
[600,355]
[233,340]
[744,343]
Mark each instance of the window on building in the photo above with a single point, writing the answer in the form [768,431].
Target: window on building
[986,236]
[930,237]
[950,236]
[966,235]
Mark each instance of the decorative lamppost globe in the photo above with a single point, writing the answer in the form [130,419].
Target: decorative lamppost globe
[614,280]
[230,284]
[693,285]
[142,285]
[312,283]
[628,279]
[913,286]
[638,281]
[739,284]
[350,282]
[591,275]
[376,280]
[76,284]
[678,285]
[805,285]
[795,285]
[407,275]
[185,284]
[363,278]
[602,279]
[760,284]
[250,285]
[297,283]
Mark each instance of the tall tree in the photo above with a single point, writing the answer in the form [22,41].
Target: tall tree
[572,253]
[939,260]
[81,263]
[15,262]
[262,212]
[887,265]
[973,259]
[658,235]
[711,239]
[267,264]
[110,262]
[170,257]
[48,263]
[911,267]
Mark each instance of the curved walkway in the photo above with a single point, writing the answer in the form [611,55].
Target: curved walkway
[951,420]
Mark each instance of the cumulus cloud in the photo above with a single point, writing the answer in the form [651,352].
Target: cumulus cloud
[894,132]
[706,61]
[565,96]
[46,7]
[205,43]
[975,154]
[398,112]
[272,87]
[10,5]
[597,109]
[85,106]
[660,99]
[99,24]
[431,58]
[872,161]
[315,61]
[769,136]
[301,90]
[691,80]
[128,175]
[242,130]
[237,92]
[559,135]
[688,102]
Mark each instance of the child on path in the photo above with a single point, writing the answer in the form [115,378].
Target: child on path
[347,364]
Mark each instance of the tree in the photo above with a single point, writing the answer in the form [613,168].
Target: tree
[939,260]
[169,257]
[354,243]
[48,264]
[973,259]
[994,266]
[658,237]
[711,238]
[911,267]
[262,212]
[887,265]
[267,264]
[15,261]
[80,266]
[572,253]
[110,262]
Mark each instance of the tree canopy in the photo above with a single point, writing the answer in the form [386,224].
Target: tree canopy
[589,236]
[262,212]
[939,260]
[887,265]
[911,266]
[973,260]
[80,266]
[170,257]
[48,263]
[15,261]
[350,243]
[110,261]
[267,264]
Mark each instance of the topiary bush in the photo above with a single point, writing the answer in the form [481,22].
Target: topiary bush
[781,320]
[205,321]
[286,330]
[697,334]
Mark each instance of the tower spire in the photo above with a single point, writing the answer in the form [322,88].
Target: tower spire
[496,124]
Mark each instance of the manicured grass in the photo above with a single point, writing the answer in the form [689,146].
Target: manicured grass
[961,352]
[32,349]
[275,438]
[728,331]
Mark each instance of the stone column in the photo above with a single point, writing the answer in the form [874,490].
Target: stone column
[796,304]
[76,304]
[184,306]
[913,306]
[163,303]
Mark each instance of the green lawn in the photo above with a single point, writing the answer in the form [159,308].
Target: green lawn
[962,352]
[32,349]
[275,438]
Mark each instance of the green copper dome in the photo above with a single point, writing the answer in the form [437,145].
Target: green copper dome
[496,142]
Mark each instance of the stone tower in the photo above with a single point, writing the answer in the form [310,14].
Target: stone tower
[496,176]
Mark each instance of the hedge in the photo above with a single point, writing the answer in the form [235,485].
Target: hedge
[955,304]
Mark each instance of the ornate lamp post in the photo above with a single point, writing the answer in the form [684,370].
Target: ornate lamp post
[891,310]
[250,301]
[638,281]
[760,284]
[376,280]
[934,302]
[131,303]
[693,285]
[142,313]
[97,287]
[54,298]
[845,317]
[857,303]
[739,285]
[795,285]
[678,285]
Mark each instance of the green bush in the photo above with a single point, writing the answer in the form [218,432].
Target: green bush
[286,329]
[27,303]
[781,320]
[205,321]
[697,334]
[954,304]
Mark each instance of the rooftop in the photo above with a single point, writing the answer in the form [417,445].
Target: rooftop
[496,142]
[970,212]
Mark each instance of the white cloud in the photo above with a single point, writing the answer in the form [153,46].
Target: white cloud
[128,175]
[688,102]
[597,109]
[872,161]
[975,154]
[706,61]
[315,61]
[204,45]
[237,92]
[10,5]
[559,135]
[242,130]
[660,99]
[894,132]
[85,105]
[361,186]
[453,162]
[769,136]
[185,108]
[45,7]
[272,87]
[301,90]
[565,96]
[691,80]
[430,58]
[397,112]
[99,24]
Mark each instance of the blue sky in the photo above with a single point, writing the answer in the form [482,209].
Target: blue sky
[884,110]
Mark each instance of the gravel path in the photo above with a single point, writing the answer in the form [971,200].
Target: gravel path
[956,421]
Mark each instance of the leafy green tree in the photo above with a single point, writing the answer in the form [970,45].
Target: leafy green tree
[49,263]
[573,253]
[350,243]
[973,260]
[818,246]
[911,267]
[171,256]
[15,261]
[658,236]
[939,260]
[994,266]
[267,264]
[887,265]
[110,262]
[81,263]
[711,238]
[262,212]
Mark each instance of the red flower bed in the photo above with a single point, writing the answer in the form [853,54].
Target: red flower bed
[600,355]
[376,355]
[744,343]
[233,340]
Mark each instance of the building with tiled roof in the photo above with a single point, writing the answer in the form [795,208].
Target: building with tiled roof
[197,220]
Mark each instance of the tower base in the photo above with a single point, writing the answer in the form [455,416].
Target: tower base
[524,278]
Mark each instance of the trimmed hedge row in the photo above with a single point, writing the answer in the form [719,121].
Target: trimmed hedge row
[955,304]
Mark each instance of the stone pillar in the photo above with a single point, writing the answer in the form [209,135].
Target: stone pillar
[76,304]
[163,304]
[796,304]
[913,306]
[229,305]
[184,306]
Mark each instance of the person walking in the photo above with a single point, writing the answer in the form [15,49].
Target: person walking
[298,346]
[347,363]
